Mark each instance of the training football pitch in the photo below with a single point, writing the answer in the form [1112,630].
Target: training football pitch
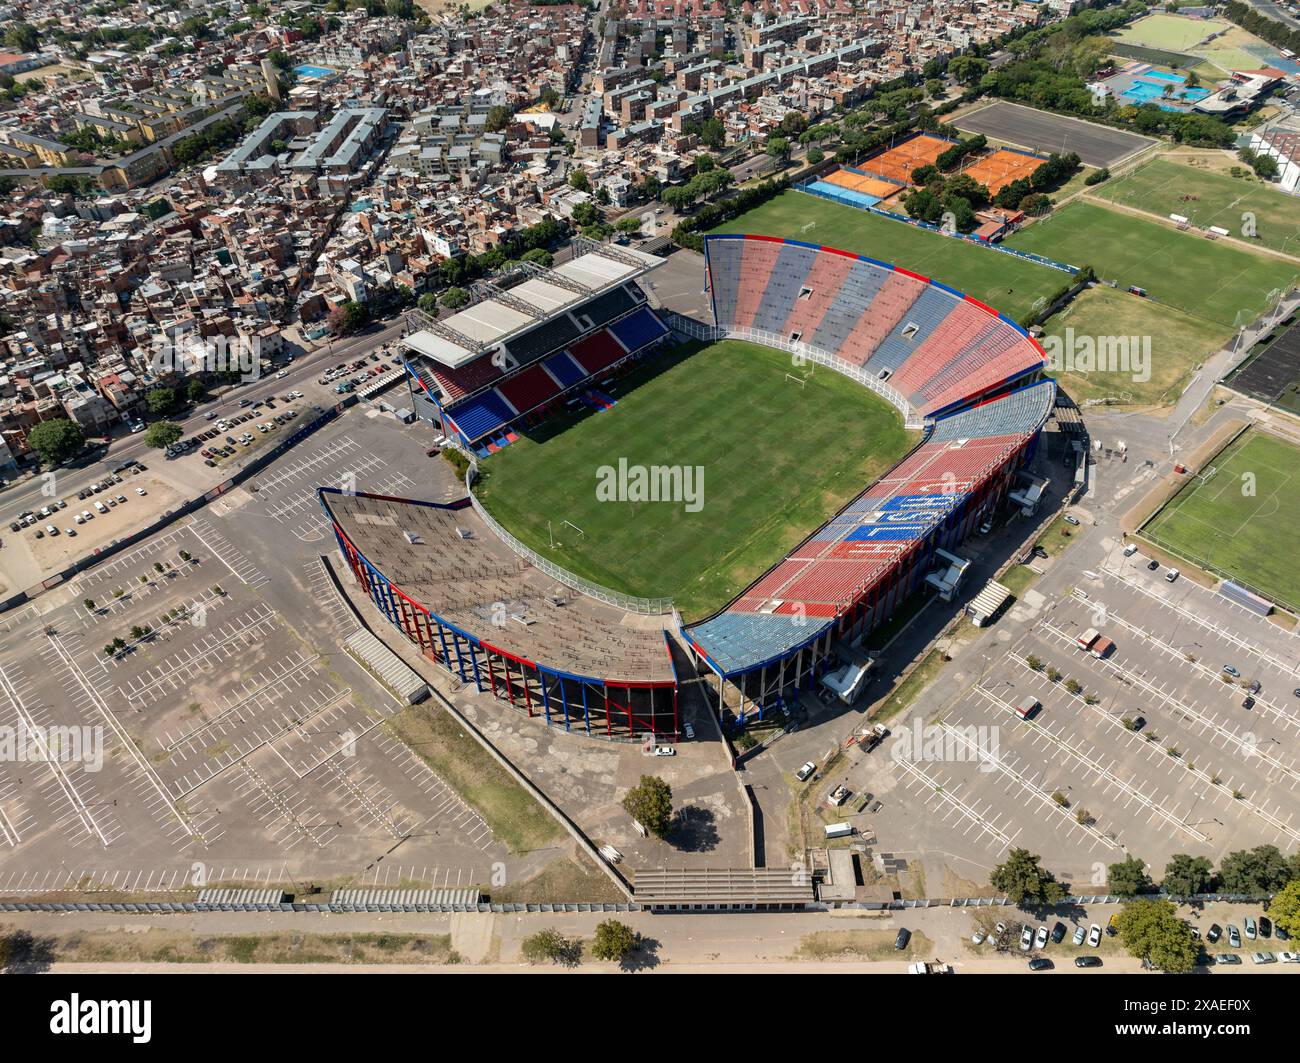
[1004,282]
[1242,521]
[1209,279]
[781,448]
[1206,199]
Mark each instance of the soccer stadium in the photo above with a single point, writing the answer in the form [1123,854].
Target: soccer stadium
[549,345]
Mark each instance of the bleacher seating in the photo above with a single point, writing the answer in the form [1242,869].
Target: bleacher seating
[879,317]
[756,264]
[911,330]
[606,307]
[465,380]
[1019,412]
[598,351]
[964,325]
[527,390]
[565,369]
[484,413]
[639,329]
[543,339]
[783,287]
[861,286]
[824,281]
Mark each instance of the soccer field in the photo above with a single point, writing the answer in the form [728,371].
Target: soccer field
[1005,283]
[781,449]
[1206,278]
[1216,199]
[1176,32]
[1242,521]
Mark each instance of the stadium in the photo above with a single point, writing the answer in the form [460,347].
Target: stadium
[550,345]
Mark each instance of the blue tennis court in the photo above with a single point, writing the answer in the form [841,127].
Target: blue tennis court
[839,194]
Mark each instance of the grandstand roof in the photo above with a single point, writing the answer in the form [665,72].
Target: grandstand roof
[494,321]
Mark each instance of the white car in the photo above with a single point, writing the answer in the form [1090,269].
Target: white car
[1289,957]
[1040,939]
[141,491]
[665,751]
[689,731]
[1094,935]
[1130,550]
[281,374]
[803,773]
[1026,938]
[1079,935]
[977,938]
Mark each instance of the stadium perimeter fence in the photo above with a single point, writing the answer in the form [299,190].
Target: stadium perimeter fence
[803,352]
[1209,566]
[917,223]
[627,602]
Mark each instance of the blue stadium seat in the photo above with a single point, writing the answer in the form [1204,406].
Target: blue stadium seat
[480,415]
[931,308]
[565,370]
[639,329]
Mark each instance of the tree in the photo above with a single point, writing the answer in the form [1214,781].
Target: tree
[196,390]
[550,944]
[160,400]
[56,440]
[162,434]
[704,162]
[629,225]
[1023,880]
[585,214]
[816,155]
[1151,930]
[1254,871]
[1127,878]
[579,180]
[1285,909]
[614,941]
[498,118]
[428,302]
[1186,875]
[650,803]
[22,36]
[455,298]
[538,256]
[1266,167]
[777,147]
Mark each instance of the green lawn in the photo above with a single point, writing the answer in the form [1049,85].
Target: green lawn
[1209,279]
[1176,32]
[1244,521]
[1161,185]
[1005,283]
[1171,343]
[778,458]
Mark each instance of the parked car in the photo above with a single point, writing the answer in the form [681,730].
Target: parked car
[1094,935]
[1058,933]
[1232,671]
[1262,957]
[1079,935]
[803,773]
[1248,925]
[1226,959]
[1026,938]
[1234,936]
[903,937]
[1040,938]
[1171,575]
[978,937]
[1214,933]
[1087,961]
[1071,520]
[1041,963]
[1265,926]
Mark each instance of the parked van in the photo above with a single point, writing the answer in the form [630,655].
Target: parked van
[838,830]
[100,507]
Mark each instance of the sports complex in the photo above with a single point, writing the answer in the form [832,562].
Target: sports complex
[576,360]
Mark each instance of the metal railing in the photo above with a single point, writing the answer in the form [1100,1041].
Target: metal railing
[627,602]
[691,327]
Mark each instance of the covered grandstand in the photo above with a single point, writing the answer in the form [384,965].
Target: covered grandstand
[532,343]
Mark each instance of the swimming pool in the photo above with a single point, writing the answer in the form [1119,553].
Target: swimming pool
[306,70]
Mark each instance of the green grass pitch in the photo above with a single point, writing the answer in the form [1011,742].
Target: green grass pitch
[1006,283]
[1216,199]
[1244,521]
[782,448]
[1209,279]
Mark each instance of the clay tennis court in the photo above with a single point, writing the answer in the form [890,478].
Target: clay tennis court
[861,182]
[897,163]
[999,169]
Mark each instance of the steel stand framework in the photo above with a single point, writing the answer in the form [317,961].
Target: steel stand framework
[611,708]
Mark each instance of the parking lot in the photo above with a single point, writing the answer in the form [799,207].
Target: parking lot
[224,726]
[1151,749]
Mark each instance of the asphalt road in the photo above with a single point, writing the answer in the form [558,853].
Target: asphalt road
[26,494]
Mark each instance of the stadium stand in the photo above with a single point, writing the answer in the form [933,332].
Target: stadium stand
[545,338]
[568,372]
[944,352]
[527,390]
[758,261]
[598,351]
[783,289]
[457,383]
[484,413]
[638,330]
[607,307]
